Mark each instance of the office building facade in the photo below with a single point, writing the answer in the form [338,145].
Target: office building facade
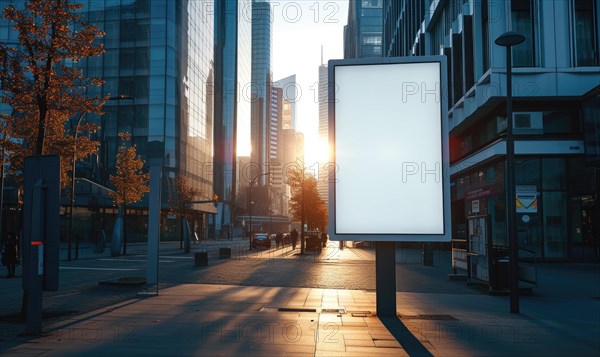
[233,41]
[261,78]
[363,32]
[555,84]
[291,93]
[324,167]
[276,164]
[160,55]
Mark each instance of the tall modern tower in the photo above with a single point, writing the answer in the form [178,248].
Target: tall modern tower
[291,94]
[363,34]
[261,79]
[160,54]
[233,31]
[275,167]
[323,184]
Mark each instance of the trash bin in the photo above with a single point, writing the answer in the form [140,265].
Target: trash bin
[201,258]
[501,282]
[224,252]
[427,254]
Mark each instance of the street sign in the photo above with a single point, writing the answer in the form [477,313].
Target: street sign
[388,130]
[526,200]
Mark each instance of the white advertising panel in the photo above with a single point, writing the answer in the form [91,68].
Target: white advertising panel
[389,139]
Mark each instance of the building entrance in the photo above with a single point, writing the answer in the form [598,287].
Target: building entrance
[585,243]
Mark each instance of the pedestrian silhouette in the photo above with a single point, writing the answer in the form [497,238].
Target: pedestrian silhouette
[294,236]
[10,255]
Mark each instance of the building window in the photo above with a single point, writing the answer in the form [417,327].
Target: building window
[585,33]
[372,3]
[371,39]
[485,30]
[523,22]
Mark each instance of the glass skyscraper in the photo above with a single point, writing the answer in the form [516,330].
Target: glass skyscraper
[261,85]
[363,34]
[159,53]
[233,31]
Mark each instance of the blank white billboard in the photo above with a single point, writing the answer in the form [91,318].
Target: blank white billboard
[390,151]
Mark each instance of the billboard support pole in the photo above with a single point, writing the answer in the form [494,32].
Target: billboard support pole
[385,278]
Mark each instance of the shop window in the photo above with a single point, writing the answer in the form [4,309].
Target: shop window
[530,232]
[576,213]
[527,172]
[497,209]
[555,224]
[591,126]
[580,179]
[553,174]
[490,174]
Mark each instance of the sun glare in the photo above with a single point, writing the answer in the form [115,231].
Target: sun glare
[316,150]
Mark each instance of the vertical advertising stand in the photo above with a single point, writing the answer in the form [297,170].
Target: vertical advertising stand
[388,131]
[41,233]
[156,163]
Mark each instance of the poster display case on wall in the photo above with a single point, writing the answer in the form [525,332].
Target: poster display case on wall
[479,248]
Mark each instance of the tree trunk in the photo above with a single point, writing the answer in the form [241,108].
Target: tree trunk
[39,144]
[181,233]
[124,229]
[302,235]
[302,217]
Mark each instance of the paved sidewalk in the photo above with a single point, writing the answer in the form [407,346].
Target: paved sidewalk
[90,250]
[198,315]
[226,320]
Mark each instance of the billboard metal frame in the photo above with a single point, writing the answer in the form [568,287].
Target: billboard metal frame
[445,236]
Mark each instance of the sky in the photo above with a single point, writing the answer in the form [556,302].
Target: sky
[300,28]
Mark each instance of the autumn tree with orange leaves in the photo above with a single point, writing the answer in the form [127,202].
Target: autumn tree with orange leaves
[42,84]
[130,181]
[181,204]
[305,203]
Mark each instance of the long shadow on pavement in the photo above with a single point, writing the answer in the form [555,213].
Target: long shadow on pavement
[407,340]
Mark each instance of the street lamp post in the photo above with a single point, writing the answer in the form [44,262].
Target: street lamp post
[270,210]
[73,182]
[508,40]
[277,208]
[3,159]
[73,192]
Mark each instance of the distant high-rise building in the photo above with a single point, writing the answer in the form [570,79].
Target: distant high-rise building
[275,165]
[290,145]
[323,184]
[299,147]
[243,183]
[363,33]
[290,97]
[261,79]
[233,30]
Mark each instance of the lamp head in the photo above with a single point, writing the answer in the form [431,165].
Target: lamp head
[509,38]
